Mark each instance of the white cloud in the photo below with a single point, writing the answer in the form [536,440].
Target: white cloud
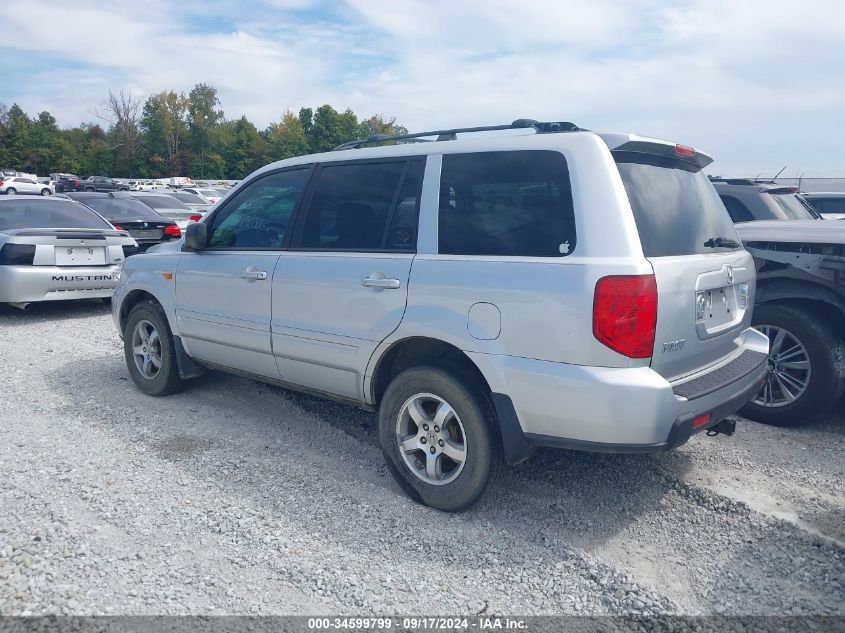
[758,84]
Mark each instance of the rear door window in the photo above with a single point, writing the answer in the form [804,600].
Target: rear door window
[516,203]
[675,206]
[363,206]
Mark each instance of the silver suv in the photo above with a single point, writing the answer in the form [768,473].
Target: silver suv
[487,295]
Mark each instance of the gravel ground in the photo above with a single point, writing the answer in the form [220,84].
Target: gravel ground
[237,497]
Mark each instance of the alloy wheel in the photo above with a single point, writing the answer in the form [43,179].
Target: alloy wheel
[788,374]
[431,439]
[146,349]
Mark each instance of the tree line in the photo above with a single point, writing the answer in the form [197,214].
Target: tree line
[173,134]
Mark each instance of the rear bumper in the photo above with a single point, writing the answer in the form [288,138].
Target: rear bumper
[29,284]
[621,410]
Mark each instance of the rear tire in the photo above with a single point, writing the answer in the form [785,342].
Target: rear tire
[88,189]
[782,402]
[149,350]
[45,192]
[11,191]
[469,433]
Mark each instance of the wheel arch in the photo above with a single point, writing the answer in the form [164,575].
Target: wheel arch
[813,297]
[414,351]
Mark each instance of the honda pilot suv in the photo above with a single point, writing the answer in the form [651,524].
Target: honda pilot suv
[485,294]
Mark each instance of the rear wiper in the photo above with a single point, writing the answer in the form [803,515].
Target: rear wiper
[721,242]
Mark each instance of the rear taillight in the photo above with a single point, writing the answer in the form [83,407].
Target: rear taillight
[196,218]
[2,183]
[172,230]
[117,227]
[625,314]
[17,254]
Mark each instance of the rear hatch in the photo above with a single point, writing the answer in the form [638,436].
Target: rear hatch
[68,247]
[705,279]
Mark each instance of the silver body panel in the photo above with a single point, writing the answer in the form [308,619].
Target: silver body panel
[526,322]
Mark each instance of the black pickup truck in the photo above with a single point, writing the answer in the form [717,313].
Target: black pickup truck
[800,305]
[101,183]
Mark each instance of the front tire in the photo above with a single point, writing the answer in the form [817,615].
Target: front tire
[45,192]
[806,373]
[149,350]
[439,437]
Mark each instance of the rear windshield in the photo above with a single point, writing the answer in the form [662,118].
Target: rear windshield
[121,209]
[184,196]
[792,207]
[48,214]
[164,202]
[676,209]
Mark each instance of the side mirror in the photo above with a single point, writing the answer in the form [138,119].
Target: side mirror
[196,236]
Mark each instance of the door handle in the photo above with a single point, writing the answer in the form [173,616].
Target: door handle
[376,281]
[254,275]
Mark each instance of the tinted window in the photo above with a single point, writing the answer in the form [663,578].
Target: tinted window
[258,216]
[829,205]
[675,206]
[506,203]
[353,205]
[49,214]
[738,211]
[792,207]
[188,198]
[121,209]
[163,202]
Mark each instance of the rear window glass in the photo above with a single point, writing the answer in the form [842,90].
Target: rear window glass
[48,214]
[675,207]
[121,209]
[506,203]
[184,196]
[829,205]
[792,207]
[164,202]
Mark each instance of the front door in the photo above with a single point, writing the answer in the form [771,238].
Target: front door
[343,286]
[223,293]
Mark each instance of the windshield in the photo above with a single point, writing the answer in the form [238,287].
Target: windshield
[48,214]
[163,202]
[792,207]
[122,209]
[676,209]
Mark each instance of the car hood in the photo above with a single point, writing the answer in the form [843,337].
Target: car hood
[817,231]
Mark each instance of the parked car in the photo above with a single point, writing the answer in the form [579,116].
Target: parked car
[102,183]
[142,185]
[168,207]
[800,305]
[831,205]
[53,249]
[194,201]
[748,200]
[67,182]
[126,213]
[207,194]
[484,302]
[24,186]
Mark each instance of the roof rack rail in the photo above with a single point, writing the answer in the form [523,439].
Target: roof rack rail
[540,127]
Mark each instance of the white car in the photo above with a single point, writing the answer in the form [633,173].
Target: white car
[20,185]
[206,193]
[142,185]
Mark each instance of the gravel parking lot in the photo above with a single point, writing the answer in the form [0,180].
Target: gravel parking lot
[237,497]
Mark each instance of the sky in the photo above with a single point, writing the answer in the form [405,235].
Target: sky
[758,85]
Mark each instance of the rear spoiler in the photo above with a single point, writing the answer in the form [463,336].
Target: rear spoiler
[678,152]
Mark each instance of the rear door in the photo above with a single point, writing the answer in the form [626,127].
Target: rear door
[223,292]
[343,286]
[705,279]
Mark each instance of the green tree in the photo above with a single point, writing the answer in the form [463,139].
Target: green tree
[16,141]
[247,151]
[378,124]
[286,138]
[164,122]
[203,115]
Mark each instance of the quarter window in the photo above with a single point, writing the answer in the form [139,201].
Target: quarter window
[258,216]
[737,210]
[506,203]
[364,207]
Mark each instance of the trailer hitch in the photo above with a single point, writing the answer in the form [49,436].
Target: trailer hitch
[723,427]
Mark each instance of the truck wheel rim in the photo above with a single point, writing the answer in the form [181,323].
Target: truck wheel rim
[789,370]
[431,439]
[146,349]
